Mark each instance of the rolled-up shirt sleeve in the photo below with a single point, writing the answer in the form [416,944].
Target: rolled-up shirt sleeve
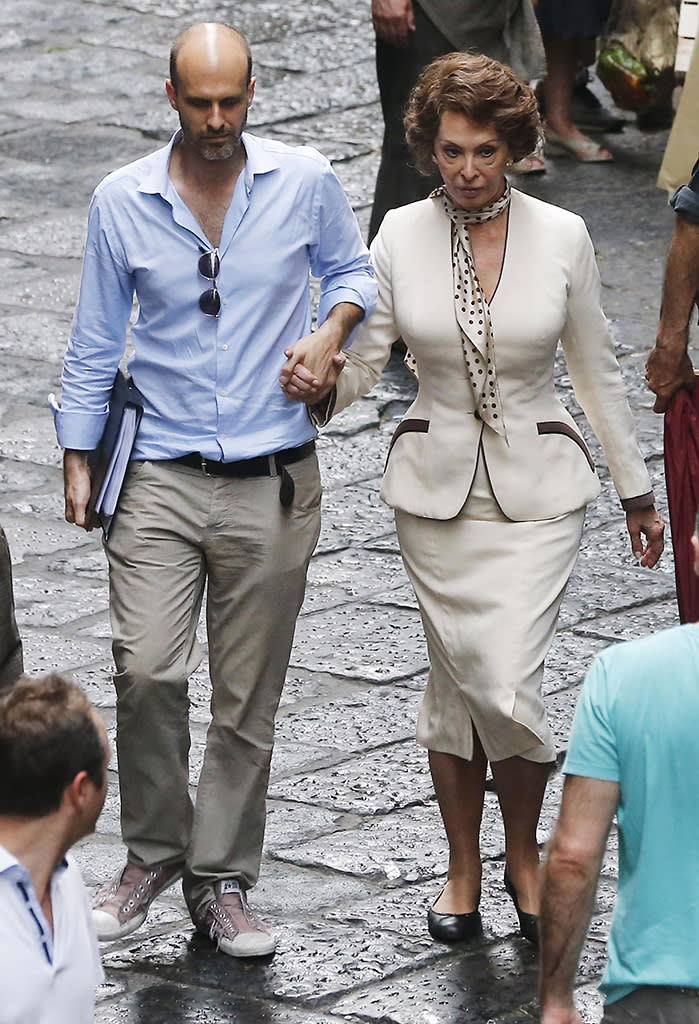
[98,335]
[686,198]
[338,256]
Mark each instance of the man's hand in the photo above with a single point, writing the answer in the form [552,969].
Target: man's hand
[646,521]
[312,368]
[77,483]
[394,20]
[315,362]
[668,370]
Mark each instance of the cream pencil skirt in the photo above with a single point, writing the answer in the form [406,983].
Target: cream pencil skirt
[489,591]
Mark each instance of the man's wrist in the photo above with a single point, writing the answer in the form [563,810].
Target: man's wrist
[672,340]
[75,455]
[556,1009]
[341,321]
[335,333]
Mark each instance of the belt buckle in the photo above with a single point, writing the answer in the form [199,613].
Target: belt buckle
[203,466]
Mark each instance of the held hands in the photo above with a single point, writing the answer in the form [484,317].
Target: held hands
[312,367]
[77,484]
[646,521]
[394,20]
[666,372]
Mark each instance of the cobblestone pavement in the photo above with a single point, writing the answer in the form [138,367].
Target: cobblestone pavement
[355,849]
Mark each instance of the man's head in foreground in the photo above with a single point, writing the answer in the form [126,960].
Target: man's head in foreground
[53,755]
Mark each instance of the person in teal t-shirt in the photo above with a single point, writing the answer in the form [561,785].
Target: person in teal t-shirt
[634,751]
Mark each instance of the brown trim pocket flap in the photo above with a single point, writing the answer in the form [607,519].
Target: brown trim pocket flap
[558,427]
[406,427]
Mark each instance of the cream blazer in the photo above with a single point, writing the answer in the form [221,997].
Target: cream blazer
[549,289]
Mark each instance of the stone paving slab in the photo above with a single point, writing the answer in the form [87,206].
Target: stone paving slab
[394,776]
[355,134]
[631,623]
[366,719]
[355,460]
[392,645]
[496,983]
[167,1002]
[340,577]
[315,965]
[351,516]
[42,604]
[340,46]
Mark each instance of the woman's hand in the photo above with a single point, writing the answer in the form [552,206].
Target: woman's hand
[646,521]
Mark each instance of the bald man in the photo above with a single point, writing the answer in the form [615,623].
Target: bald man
[215,235]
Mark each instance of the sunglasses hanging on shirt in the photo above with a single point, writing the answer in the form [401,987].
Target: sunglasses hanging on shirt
[209,266]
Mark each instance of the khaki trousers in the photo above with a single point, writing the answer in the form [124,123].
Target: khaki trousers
[178,533]
[655,1004]
[10,643]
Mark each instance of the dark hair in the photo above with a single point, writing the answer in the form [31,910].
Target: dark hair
[480,88]
[177,46]
[47,736]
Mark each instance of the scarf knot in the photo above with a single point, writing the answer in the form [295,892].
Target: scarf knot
[471,309]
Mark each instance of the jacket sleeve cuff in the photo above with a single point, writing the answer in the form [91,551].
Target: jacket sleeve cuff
[646,500]
[321,413]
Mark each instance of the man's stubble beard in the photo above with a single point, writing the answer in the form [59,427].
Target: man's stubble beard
[229,151]
[225,153]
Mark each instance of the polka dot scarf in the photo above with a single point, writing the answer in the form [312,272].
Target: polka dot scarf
[472,311]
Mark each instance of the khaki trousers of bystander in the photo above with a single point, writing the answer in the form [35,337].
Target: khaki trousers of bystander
[10,643]
[655,1004]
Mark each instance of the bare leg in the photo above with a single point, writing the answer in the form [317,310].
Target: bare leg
[520,786]
[561,68]
[460,789]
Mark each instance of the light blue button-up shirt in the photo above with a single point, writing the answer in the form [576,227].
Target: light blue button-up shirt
[210,384]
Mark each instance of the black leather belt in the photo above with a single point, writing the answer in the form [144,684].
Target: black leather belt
[261,465]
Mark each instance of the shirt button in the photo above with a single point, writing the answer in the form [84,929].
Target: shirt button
[222,393]
[224,347]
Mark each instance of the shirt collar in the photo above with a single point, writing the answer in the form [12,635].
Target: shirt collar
[10,866]
[7,861]
[259,160]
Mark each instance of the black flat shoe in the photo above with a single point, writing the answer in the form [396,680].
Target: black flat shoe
[528,923]
[454,927]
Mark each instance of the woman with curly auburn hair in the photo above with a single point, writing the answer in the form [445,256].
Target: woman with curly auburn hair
[479,89]
[488,472]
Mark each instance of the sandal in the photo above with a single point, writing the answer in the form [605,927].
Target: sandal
[585,150]
[531,164]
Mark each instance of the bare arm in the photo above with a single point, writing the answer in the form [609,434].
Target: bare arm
[569,883]
[669,367]
[393,20]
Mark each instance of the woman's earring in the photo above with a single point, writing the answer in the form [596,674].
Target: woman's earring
[509,163]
